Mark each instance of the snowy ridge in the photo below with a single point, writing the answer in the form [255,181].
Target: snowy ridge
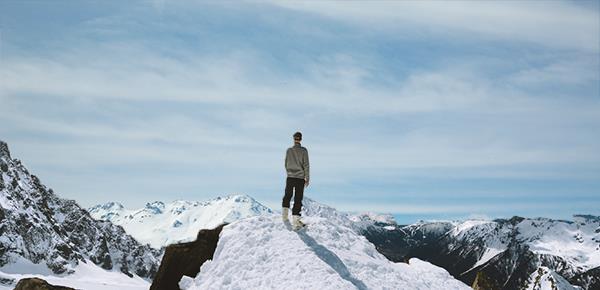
[264,253]
[160,224]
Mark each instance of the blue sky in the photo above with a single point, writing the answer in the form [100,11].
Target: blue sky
[427,110]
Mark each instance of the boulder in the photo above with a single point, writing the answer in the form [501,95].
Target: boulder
[38,284]
[185,259]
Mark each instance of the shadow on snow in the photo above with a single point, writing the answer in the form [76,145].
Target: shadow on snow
[330,258]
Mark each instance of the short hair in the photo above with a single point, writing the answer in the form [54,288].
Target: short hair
[298,136]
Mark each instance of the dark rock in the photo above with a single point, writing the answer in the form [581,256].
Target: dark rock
[589,279]
[7,281]
[483,282]
[38,284]
[185,259]
[4,150]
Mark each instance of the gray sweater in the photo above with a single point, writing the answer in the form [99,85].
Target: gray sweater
[296,162]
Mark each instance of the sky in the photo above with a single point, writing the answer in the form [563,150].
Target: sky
[422,109]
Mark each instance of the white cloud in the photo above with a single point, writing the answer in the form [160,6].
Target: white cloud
[557,24]
[334,86]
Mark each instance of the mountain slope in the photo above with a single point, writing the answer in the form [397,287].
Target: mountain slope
[504,251]
[264,253]
[42,230]
[160,224]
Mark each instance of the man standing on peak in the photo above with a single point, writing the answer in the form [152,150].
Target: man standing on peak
[297,168]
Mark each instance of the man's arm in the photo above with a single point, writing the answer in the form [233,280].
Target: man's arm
[286,158]
[306,164]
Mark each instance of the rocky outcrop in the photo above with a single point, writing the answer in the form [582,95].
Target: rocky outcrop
[39,226]
[4,149]
[483,282]
[38,284]
[185,259]
[589,279]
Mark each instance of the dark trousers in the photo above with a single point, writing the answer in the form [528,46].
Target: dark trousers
[294,184]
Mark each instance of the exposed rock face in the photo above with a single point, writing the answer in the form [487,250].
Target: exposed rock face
[589,279]
[38,284]
[482,282]
[4,149]
[185,259]
[37,225]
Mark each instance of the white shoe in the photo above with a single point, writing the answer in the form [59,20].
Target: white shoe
[285,212]
[297,223]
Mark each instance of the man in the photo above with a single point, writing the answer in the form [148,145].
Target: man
[297,168]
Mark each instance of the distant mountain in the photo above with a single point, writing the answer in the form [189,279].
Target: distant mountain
[160,224]
[262,252]
[516,253]
[41,231]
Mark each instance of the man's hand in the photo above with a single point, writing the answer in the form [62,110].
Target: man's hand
[305,182]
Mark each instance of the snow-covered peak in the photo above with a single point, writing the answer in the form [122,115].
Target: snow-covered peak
[160,224]
[313,208]
[373,217]
[264,253]
[471,226]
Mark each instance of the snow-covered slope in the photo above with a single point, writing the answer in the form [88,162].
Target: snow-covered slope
[264,253]
[160,224]
[43,231]
[86,276]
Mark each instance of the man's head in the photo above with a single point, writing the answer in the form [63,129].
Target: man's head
[297,137]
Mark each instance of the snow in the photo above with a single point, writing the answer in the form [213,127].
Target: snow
[160,224]
[86,276]
[264,253]
[375,217]
[467,225]
[488,254]
[577,242]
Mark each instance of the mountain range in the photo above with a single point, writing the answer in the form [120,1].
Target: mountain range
[160,224]
[515,253]
[110,247]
